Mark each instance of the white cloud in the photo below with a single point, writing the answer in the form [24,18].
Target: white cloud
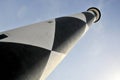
[99,27]
[103,3]
[22,12]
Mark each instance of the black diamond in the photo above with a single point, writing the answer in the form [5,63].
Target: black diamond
[66,27]
[2,36]
[21,61]
[89,17]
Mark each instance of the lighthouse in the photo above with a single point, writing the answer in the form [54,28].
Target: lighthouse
[32,52]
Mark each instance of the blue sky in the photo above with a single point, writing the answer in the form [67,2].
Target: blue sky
[97,54]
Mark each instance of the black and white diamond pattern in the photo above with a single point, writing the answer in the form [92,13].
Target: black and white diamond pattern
[32,52]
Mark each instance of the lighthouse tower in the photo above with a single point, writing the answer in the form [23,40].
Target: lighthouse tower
[32,52]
